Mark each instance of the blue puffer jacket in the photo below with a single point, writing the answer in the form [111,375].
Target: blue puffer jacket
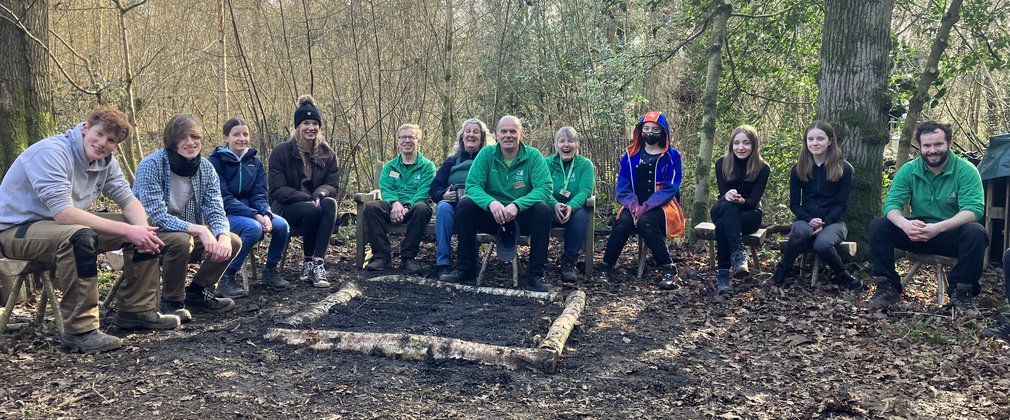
[243,183]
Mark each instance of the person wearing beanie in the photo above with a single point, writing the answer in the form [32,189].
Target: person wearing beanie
[648,191]
[181,192]
[303,188]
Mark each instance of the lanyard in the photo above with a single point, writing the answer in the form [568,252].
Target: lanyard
[568,175]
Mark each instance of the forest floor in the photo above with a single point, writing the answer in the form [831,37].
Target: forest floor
[639,352]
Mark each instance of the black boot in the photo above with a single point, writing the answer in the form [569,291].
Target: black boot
[568,270]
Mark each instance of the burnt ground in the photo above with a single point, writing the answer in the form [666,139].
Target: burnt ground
[800,352]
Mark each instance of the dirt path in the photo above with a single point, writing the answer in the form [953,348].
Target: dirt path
[639,352]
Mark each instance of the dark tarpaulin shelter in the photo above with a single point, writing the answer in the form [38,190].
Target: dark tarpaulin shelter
[995,171]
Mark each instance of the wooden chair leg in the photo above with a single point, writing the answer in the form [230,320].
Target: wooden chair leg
[483,266]
[47,284]
[941,285]
[12,299]
[515,272]
[115,289]
[911,273]
[587,250]
[641,257]
[711,255]
[757,260]
[817,268]
[40,310]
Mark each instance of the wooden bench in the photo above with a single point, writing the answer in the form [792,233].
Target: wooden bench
[706,231]
[40,273]
[556,232]
[941,262]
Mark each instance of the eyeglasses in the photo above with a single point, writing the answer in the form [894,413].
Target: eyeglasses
[657,130]
[407,138]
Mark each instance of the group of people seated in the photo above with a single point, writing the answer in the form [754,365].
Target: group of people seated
[184,208]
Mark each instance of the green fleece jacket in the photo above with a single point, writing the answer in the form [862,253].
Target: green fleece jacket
[406,184]
[526,182]
[934,198]
[581,181]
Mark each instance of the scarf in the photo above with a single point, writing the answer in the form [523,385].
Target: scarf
[180,165]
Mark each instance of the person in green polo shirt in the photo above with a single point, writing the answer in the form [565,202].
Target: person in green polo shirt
[508,184]
[945,196]
[404,186]
[574,178]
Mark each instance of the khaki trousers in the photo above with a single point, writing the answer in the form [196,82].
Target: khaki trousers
[74,250]
[179,251]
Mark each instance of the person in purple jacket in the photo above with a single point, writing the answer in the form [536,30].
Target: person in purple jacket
[648,190]
[244,191]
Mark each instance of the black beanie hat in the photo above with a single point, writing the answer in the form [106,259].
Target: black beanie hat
[307,110]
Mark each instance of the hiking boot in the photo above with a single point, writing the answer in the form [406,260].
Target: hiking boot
[411,266]
[670,279]
[319,275]
[847,280]
[229,287]
[442,272]
[93,341]
[886,295]
[962,297]
[457,276]
[738,262]
[273,281]
[146,320]
[537,284]
[722,281]
[605,275]
[171,307]
[307,267]
[1000,330]
[376,264]
[203,300]
[568,270]
[779,277]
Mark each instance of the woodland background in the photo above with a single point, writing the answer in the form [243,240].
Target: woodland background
[594,64]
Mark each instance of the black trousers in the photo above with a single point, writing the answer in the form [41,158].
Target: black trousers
[651,227]
[966,243]
[376,218]
[471,219]
[314,222]
[731,223]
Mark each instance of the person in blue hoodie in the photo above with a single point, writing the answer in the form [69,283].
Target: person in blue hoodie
[648,191]
[244,191]
[449,185]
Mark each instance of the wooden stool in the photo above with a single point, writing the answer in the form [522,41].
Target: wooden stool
[35,271]
[940,261]
[706,231]
[846,250]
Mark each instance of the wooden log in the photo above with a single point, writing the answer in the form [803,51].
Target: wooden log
[416,347]
[319,309]
[497,291]
[563,325]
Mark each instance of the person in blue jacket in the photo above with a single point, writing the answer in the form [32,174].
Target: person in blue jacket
[448,186]
[648,191]
[244,191]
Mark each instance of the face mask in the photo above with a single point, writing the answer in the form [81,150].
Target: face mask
[652,138]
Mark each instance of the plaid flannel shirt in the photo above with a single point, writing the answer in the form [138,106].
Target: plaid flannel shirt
[152,189]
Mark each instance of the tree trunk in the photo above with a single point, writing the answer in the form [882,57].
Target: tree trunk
[129,159]
[222,61]
[320,309]
[855,62]
[25,89]
[929,74]
[710,101]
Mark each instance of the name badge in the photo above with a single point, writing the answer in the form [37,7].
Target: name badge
[564,193]
[518,184]
[394,174]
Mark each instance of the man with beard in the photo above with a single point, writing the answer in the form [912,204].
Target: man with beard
[945,195]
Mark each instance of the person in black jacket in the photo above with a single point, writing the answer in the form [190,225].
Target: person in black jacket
[818,195]
[741,175]
[448,186]
[303,188]
[244,191]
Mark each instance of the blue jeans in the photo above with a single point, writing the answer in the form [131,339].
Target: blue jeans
[575,233]
[251,231]
[445,213]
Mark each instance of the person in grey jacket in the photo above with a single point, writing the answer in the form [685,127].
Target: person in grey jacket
[44,200]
